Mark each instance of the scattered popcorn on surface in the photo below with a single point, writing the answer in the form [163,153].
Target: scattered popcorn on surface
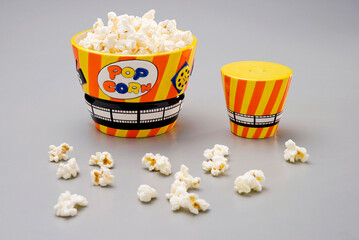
[68,170]
[294,153]
[251,180]
[178,189]
[194,204]
[103,159]
[157,162]
[66,202]
[184,176]
[189,201]
[145,193]
[179,196]
[59,153]
[135,35]
[217,150]
[217,165]
[102,177]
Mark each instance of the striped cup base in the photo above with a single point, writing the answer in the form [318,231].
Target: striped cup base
[251,132]
[134,120]
[134,133]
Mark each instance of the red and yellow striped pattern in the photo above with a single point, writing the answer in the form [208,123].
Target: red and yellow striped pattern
[168,64]
[255,98]
[91,63]
[134,133]
[249,132]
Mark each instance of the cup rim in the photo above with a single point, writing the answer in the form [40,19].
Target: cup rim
[285,76]
[74,43]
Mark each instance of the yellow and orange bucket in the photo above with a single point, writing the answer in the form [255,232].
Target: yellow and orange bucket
[133,95]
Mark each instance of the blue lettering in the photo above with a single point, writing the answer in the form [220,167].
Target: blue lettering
[121,88]
[140,72]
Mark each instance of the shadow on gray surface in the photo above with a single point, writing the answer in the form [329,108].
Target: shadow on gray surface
[252,193]
[69,218]
[148,203]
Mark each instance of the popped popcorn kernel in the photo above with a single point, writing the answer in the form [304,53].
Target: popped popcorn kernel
[179,196]
[189,180]
[177,188]
[66,203]
[145,193]
[157,162]
[294,153]
[102,177]
[126,34]
[216,165]
[103,159]
[251,180]
[195,204]
[217,150]
[59,153]
[68,170]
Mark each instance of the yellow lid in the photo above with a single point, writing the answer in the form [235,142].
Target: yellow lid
[256,70]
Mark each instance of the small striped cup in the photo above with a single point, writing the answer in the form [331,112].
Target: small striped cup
[255,93]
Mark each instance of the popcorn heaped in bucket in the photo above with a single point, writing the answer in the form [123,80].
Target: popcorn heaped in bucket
[126,34]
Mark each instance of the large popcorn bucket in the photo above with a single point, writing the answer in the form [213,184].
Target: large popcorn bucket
[255,95]
[133,95]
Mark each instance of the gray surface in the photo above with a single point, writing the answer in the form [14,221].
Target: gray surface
[42,104]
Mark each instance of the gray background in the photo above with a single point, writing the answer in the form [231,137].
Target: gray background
[42,104]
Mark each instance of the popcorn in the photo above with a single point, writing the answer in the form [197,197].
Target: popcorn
[184,176]
[59,153]
[126,34]
[103,159]
[194,204]
[294,153]
[251,180]
[178,189]
[179,196]
[66,202]
[68,170]
[145,193]
[220,150]
[102,177]
[189,201]
[217,165]
[157,162]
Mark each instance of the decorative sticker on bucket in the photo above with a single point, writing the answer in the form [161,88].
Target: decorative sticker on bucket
[180,80]
[127,79]
[80,75]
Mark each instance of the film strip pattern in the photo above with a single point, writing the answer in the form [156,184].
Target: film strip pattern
[253,120]
[134,116]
